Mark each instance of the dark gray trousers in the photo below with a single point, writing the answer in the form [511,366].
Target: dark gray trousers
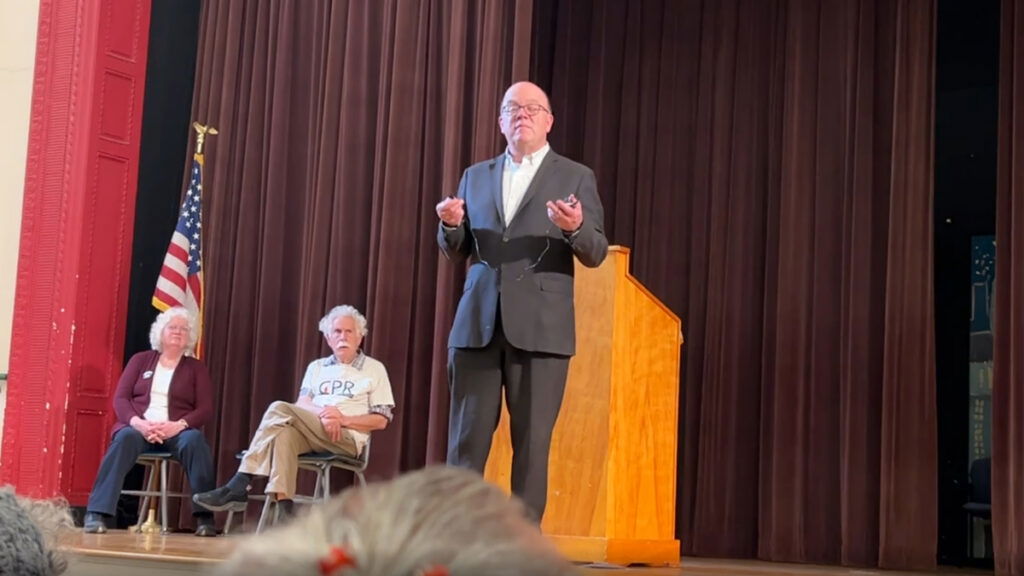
[533,384]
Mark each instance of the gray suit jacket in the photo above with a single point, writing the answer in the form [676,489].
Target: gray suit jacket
[529,264]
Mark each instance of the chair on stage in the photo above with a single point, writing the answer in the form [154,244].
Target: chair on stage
[321,463]
[979,505]
[155,463]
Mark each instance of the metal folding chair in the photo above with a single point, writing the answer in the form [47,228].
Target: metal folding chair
[321,463]
[154,461]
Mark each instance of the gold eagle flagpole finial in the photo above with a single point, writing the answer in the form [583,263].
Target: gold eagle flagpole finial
[201,132]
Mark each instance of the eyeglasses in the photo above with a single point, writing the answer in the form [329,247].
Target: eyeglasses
[532,110]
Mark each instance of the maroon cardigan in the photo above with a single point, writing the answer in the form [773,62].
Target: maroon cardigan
[190,395]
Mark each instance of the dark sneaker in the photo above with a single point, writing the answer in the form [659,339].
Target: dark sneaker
[205,526]
[285,510]
[222,498]
[95,523]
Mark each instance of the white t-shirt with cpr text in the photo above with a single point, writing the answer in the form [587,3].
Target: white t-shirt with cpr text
[355,389]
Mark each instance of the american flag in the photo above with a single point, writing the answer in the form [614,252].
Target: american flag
[181,278]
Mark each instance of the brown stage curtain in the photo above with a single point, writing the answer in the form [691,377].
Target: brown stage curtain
[1008,382]
[341,124]
[770,164]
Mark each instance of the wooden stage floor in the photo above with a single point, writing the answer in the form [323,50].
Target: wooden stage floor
[120,552]
[718,567]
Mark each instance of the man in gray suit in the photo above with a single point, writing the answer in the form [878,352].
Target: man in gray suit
[520,219]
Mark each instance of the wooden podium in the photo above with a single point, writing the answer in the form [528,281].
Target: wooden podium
[612,477]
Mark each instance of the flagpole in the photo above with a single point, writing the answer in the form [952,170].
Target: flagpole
[202,130]
[150,526]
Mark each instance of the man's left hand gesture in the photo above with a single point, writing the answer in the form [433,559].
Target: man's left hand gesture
[567,214]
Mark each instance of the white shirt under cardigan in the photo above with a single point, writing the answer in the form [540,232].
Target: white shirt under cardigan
[158,394]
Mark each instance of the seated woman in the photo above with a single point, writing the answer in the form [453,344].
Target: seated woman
[162,400]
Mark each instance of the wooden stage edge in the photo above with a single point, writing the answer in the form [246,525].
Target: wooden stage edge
[121,552]
[724,567]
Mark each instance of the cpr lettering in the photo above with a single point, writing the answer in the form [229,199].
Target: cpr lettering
[337,388]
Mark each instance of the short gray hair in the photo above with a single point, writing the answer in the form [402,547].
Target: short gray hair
[32,532]
[327,322]
[166,316]
[435,517]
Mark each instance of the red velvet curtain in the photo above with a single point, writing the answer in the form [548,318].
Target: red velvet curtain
[768,161]
[770,164]
[341,125]
[1008,382]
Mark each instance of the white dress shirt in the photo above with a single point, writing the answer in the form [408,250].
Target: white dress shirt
[516,178]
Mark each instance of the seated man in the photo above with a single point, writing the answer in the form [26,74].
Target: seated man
[342,399]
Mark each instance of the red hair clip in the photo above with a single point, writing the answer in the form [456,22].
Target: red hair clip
[438,570]
[335,559]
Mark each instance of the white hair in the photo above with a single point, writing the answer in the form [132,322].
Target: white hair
[327,322]
[439,517]
[166,316]
[32,533]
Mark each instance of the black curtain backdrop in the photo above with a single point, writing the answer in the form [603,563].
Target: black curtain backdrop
[166,129]
[966,109]
[166,120]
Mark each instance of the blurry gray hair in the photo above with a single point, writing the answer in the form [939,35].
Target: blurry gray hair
[327,322]
[31,534]
[437,516]
[166,316]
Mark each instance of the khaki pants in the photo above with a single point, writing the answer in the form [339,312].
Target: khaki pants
[285,432]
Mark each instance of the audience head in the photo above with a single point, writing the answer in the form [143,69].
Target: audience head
[30,533]
[174,317]
[434,522]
